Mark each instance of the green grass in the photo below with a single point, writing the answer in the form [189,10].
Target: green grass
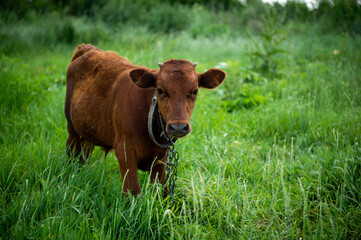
[287,168]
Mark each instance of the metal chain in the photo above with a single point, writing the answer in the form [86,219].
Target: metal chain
[172,154]
[172,165]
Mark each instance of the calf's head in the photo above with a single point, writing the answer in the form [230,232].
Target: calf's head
[177,84]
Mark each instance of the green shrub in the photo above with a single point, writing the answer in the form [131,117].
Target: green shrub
[167,18]
[340,15]
[89,31]
[267,50]
[207,24]
[244,88]
[295,10]
[66,32]
[118,13]
[160,17]
[208,29]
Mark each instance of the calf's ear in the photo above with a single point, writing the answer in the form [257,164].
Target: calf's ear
[142,78]
[212,78]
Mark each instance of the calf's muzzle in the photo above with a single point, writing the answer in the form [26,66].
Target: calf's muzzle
[178,130]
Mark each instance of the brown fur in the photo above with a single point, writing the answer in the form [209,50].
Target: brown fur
[107,104]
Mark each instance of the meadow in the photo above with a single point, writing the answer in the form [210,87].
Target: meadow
[275,152]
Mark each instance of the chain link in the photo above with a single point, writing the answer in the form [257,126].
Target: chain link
[172,154]
[172,165]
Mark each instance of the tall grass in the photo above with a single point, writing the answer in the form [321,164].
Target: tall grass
[286,168]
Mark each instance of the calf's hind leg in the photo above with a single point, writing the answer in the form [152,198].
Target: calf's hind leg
[87,149]
[75,145]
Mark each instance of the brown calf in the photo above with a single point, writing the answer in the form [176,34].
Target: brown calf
[108,101]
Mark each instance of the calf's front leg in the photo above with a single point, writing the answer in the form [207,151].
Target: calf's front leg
[128,167]
[158,172]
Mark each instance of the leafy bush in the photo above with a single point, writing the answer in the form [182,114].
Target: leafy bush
[265,56]
[340,15]
[206,24]
[332,15]
[117,13]
[160,17]
[294,10]
[66,32]
[88,31]
[244,88]
[167,18]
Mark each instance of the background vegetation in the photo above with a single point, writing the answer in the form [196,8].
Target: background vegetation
[274,152]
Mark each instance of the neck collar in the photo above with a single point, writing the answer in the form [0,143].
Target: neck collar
[154,107]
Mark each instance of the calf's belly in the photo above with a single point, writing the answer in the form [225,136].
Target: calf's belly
[89,120]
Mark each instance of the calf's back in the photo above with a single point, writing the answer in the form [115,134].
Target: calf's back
[99,92]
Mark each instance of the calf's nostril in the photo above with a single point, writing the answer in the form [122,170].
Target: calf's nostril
[178,129]
[171,128]
[185,128]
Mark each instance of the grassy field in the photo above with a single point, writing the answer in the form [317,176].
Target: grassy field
[272,156]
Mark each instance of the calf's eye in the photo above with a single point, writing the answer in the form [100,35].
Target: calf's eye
[160,91]
[194,93]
